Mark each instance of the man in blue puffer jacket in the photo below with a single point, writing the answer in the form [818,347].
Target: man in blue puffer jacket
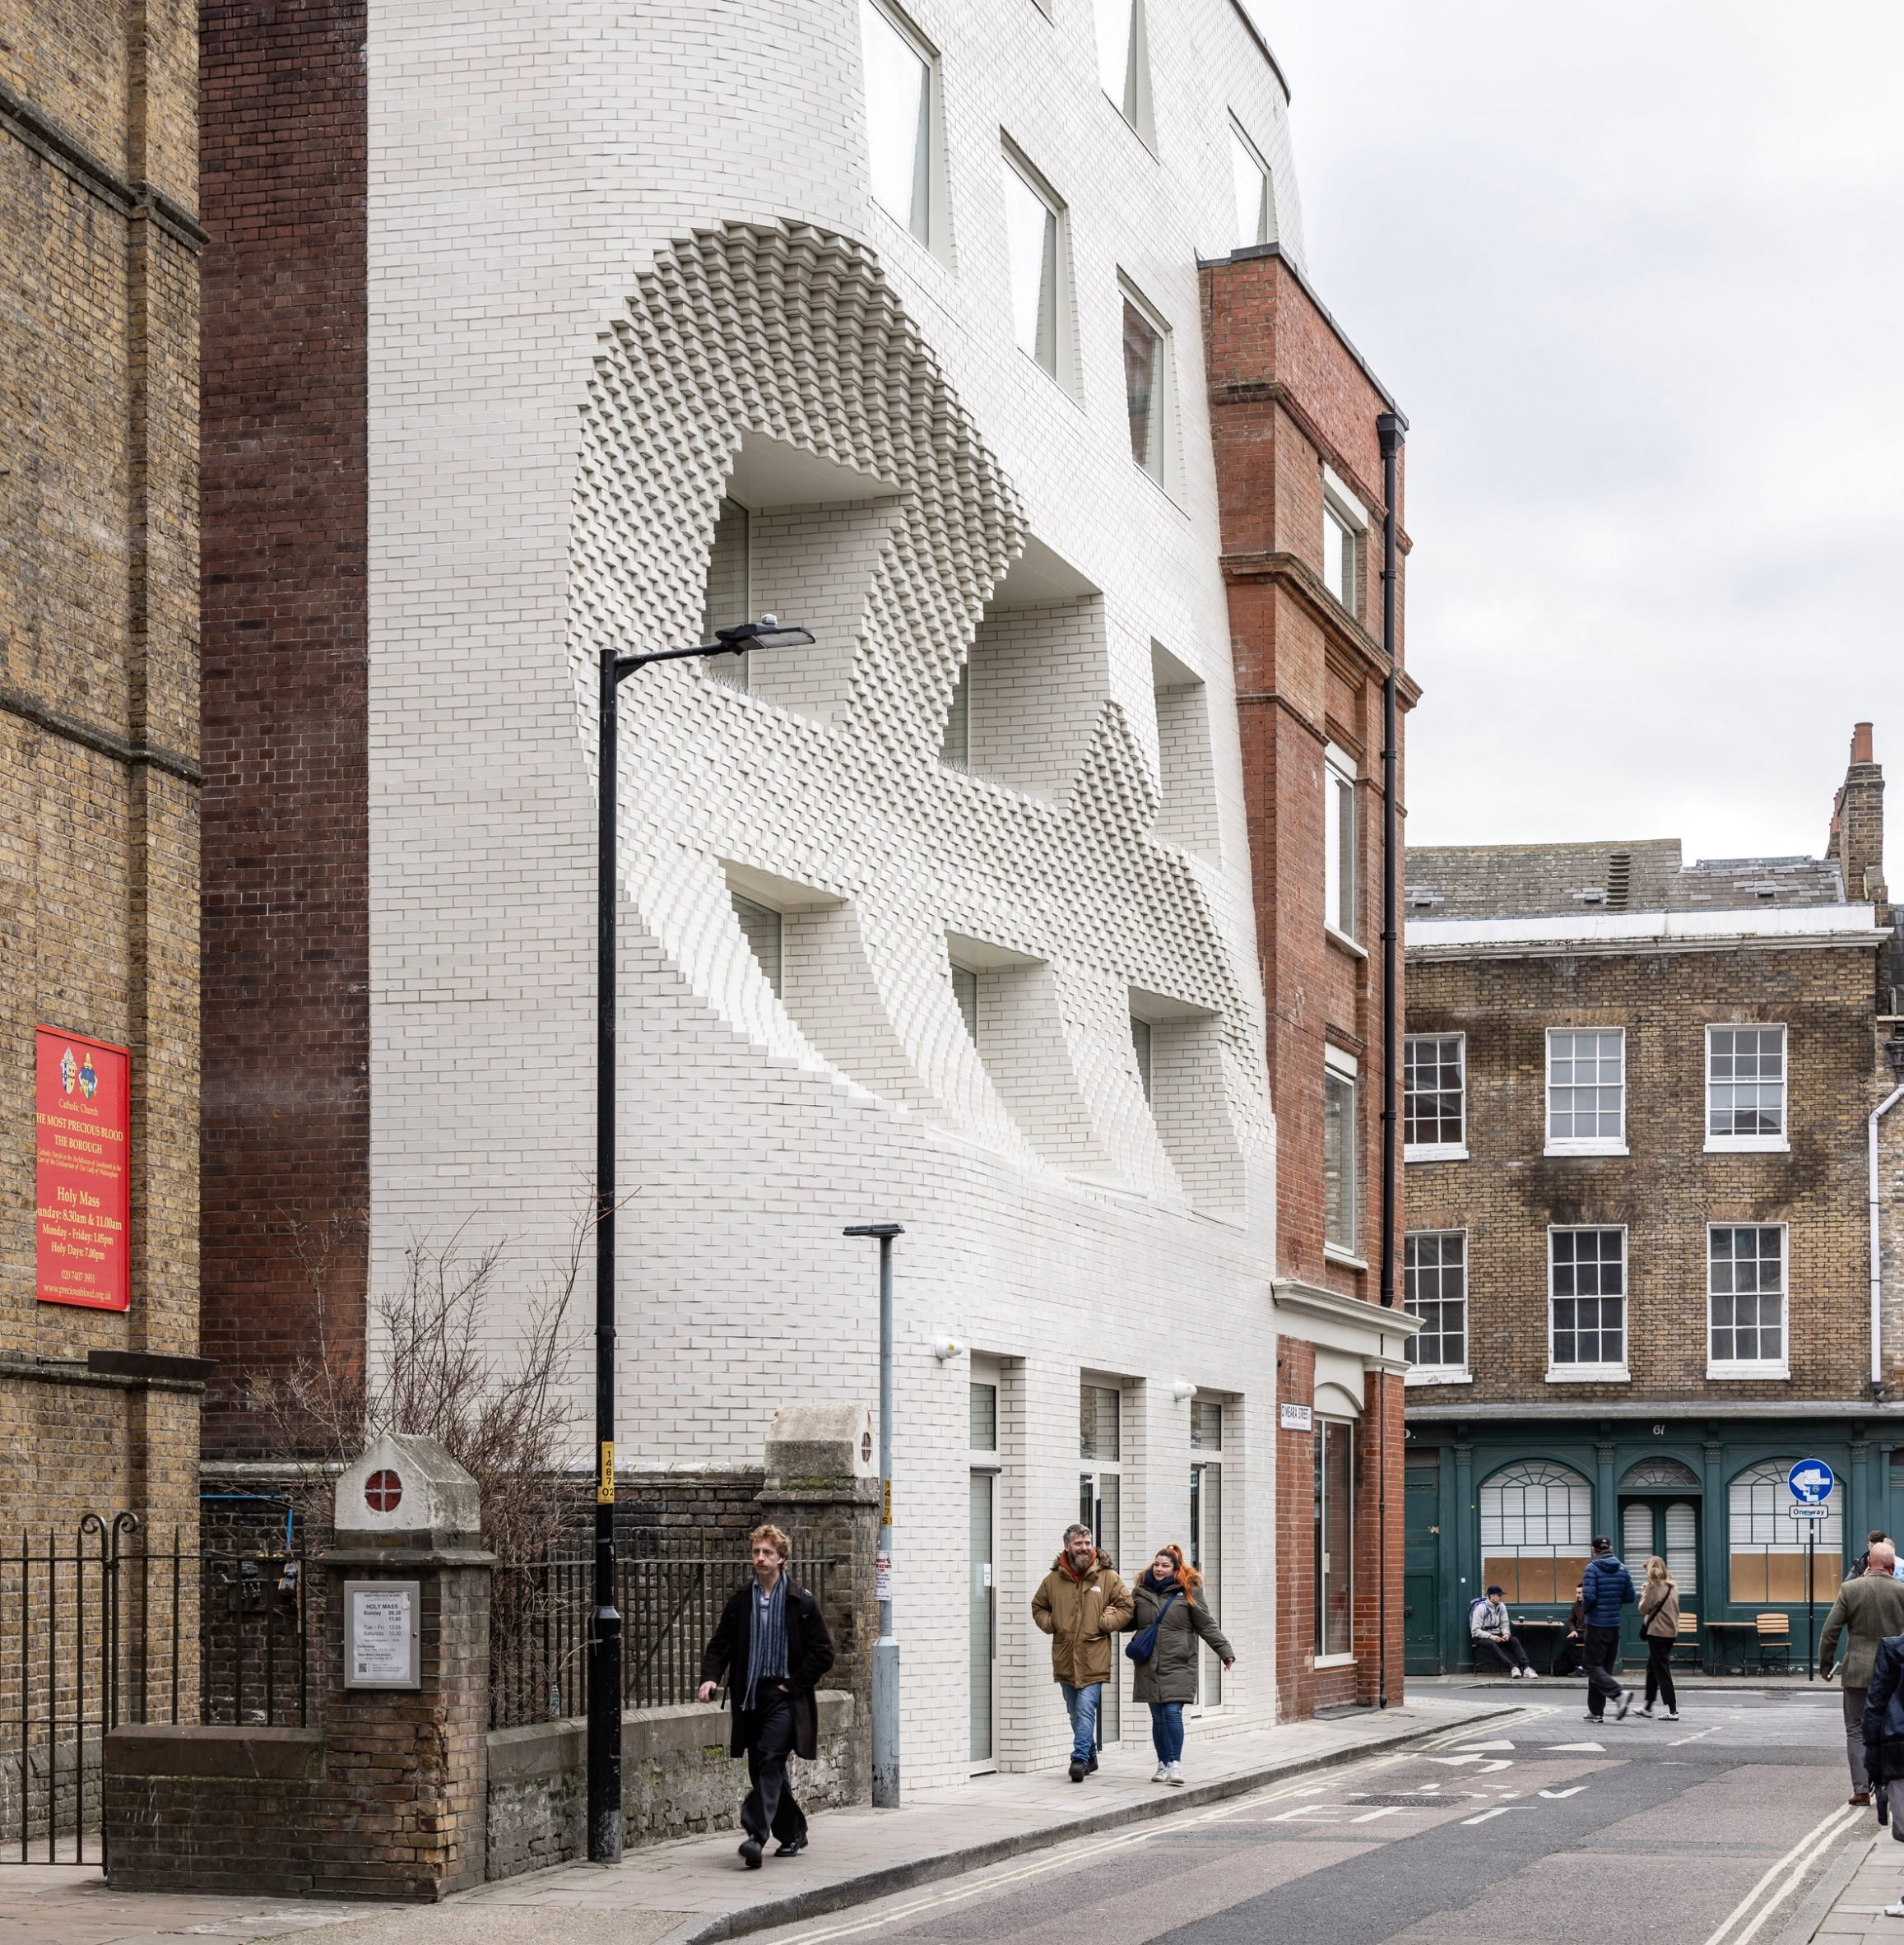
[1605,1589]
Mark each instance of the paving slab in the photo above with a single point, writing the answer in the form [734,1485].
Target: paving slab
[695,1889]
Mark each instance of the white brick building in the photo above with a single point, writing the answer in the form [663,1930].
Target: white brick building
[946,920]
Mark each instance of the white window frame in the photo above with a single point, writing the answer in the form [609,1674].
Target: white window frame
[1593,1374]
[1058,371]
[1341,861]
[1266,207]
[1348,512]
[933,240]
[1753,1367]
[1751,1145]
[1345,1067]
[1164,397]
[1134,106]
[1436,1151]
[1442,1374]
[1598,1145]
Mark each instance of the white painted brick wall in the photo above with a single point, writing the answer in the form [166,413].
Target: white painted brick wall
[556,390]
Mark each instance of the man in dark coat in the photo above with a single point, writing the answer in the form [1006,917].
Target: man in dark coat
[1883,1727]
[774,1647]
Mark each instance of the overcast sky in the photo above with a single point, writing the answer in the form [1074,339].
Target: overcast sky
[1634,273]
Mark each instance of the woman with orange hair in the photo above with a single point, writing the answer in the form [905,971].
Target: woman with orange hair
[1168,1620]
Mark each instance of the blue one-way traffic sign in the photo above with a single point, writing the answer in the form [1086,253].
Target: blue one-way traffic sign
[1811,1482]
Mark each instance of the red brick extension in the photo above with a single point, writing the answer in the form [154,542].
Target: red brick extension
[1288,396]
[285,1133]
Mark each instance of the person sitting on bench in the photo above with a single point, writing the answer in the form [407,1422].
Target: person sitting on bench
[1493,1636]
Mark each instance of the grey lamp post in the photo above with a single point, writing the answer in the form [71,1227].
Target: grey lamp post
[605,1824]
[886,1648]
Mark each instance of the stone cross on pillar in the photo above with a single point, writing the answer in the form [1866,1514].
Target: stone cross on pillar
[406,1661]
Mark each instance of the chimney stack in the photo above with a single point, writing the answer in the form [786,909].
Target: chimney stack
[1857,838]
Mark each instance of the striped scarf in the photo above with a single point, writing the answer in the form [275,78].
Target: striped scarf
[766,1636]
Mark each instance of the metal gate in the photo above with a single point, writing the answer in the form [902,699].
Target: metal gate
[112,1626]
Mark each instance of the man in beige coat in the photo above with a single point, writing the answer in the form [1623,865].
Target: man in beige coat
[1867,1610]
[1080,1604]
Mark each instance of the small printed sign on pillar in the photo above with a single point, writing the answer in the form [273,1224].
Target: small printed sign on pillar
[380,1634]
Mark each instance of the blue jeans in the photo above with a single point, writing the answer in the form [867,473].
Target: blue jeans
[1167,1731]
[1081,1705]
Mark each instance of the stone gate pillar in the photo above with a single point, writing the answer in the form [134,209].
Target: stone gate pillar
[822,1485]
[406,1661]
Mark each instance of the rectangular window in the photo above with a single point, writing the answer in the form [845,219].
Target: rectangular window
[983,1416]
[1097,1429]
[1141,1047]
[1745,1089]
[1342,1228]
[1206,1425]
[1122,65]
[1587,1300]
[1745,1298]
[965,993]
[1341,884]
[1256,219]
[727,600]
[1435,1288]
[1767,1546]
[1143,378]
[899,119]
[1434,1097]
[1340,551]
[1334,1536]
[1586,1091]
[1031,238]
[760,927]
[955,744]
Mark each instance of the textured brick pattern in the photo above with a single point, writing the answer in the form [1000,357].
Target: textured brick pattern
[287,925]
[99,847]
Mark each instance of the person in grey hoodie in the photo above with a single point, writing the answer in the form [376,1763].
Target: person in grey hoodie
[1169,1596]
[1604,1588]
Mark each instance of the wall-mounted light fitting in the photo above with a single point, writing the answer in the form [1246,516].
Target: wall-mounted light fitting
[944,1349]
[1183,1390]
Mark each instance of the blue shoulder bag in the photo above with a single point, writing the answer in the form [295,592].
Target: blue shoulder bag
[1141,1647]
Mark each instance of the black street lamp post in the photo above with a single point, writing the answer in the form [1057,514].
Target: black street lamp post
[605,1815]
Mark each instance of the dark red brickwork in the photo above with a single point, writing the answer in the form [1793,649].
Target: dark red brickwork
[286,934]
[1288,397]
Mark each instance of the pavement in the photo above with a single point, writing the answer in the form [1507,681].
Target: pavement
[694,1889]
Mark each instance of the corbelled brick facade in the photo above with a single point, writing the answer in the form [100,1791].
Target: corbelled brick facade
[286,1127]
[99,771]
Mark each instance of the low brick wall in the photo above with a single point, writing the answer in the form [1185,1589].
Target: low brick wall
[677,1778]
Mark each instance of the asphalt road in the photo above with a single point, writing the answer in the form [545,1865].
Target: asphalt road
[1706,1832]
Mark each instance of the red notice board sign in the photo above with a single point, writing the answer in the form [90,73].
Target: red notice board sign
[81,1095]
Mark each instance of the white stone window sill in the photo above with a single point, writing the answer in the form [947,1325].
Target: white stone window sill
[1434,1151]
[1334,1661]
[1435,1375]
[1342,939]
[1748,1371]
[1746,1145]
[1588,1374]
[1587,1148]
[1332,1253]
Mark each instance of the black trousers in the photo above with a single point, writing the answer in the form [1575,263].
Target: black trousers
[1508,1654]
[770,1809]
[1567,1661]
[1660,1671]
[1603,1648]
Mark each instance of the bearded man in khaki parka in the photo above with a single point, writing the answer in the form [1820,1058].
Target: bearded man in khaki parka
[1081,1604]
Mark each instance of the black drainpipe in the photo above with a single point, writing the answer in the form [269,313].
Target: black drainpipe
[1389,427]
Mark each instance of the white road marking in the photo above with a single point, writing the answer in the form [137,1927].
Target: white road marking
[1567,1748]
[1555,1796]
[1680,1742]
[1796,1861]
[1373,1816]
[1498,1810]
[1454,1761]
[1494,1764]
[1485,1748]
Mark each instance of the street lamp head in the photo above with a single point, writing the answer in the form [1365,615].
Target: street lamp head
[766,633]
[881,1230]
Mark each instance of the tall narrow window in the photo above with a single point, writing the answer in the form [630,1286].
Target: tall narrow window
[1745,1088]
[760,927]
[1339,876]
[726,601]
[1745,1295]
[1031,235]
[899,119]
[1341,1217]
[955,744]
[1100,1497]
[1143,372]
[1141,1046]
[1121,61]
[965,994]
[1435,1286]
[1434,1097]
[1587,1300]
[1586,1091]
[1255,212]
[1334,1536]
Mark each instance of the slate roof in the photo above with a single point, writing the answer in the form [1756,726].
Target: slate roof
[1457,881]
